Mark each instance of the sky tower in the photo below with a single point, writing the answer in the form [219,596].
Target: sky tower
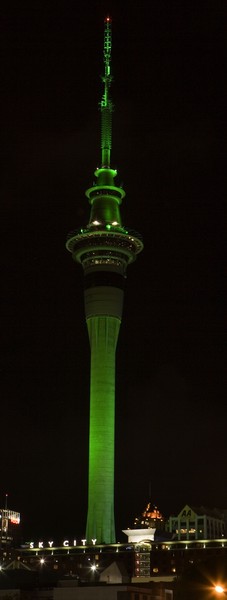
[104,248]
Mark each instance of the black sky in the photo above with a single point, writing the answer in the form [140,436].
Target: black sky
[169,93]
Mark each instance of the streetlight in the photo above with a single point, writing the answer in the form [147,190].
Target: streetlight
[220,590]
[93,568]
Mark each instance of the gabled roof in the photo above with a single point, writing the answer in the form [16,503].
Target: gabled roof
[116,568]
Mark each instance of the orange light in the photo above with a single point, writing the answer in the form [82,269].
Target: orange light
[219,589]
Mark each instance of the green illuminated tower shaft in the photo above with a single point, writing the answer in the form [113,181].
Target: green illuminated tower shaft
[103,334]
[104,248]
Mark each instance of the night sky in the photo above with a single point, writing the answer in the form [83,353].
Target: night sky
[168,62]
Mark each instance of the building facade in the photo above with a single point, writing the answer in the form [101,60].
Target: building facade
[197,524]
[9,527]
[143,561]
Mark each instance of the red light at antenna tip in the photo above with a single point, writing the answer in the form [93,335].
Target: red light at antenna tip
[107,20]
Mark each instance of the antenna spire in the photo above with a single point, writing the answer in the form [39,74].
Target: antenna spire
[106,102]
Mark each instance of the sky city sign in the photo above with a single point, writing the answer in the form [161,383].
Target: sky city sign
[65,544]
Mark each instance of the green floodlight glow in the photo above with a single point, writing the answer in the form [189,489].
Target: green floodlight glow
[104,248]
[103,334]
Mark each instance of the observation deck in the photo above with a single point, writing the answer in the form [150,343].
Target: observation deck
[104,245]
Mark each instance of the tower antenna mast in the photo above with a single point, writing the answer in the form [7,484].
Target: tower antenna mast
[106,102]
